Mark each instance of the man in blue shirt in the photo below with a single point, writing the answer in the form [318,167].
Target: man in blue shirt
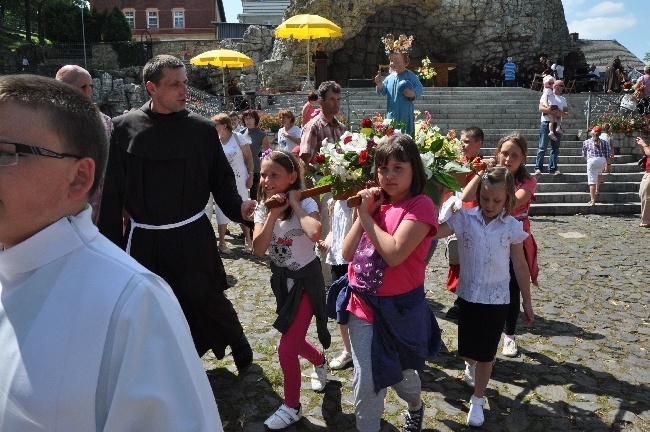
[510,73]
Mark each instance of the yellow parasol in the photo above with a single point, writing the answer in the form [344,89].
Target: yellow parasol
[222,58]
[307,27]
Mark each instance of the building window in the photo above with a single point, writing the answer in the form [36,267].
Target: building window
[152,19]
[179,19]
[130,18]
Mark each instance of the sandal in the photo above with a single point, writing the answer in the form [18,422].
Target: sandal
[224,250]
[644,225]
[248,248]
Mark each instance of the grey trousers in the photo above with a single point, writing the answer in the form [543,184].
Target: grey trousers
[368,405]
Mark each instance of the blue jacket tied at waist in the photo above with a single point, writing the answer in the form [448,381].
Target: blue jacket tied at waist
[405,331]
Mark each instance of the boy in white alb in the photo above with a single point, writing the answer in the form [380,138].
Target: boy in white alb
[80,320]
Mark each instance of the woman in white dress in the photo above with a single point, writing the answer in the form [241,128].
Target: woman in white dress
[289,133]
[239,155]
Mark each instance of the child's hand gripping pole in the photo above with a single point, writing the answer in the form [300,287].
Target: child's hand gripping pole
[307,193]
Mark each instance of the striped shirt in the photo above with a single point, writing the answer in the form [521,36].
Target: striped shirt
[591,150]
[316,131]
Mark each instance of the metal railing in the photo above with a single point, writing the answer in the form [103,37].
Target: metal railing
[68,50]
[208,105]
[599,104]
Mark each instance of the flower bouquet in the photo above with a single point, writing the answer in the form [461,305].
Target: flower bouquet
[440,154]
[426,72]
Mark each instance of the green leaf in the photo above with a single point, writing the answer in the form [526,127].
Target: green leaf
[445,180]
[434,192]
[324,180]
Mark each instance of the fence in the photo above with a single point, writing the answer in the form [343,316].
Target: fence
[17,24]
[67,50]
[614,104]
[208,104]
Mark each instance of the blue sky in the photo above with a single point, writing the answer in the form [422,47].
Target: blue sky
[592,19]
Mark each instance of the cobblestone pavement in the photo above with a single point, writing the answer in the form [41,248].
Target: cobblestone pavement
[583,364]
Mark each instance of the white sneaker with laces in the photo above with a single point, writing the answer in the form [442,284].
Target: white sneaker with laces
[475,417]
[341,361]
[537,172]
[283,417]
[509,347]
[319,377]
[470,374]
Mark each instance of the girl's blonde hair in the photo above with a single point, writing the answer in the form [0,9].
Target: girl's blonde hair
[499,177]
[290,163]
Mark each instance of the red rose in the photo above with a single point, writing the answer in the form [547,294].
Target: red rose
[363,157]
[319,158]
[347,139]
[366,123]
[390,132]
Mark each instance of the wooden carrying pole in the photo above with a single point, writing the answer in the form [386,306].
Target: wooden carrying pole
[307,193]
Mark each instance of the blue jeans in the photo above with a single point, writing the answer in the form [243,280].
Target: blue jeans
[543,145]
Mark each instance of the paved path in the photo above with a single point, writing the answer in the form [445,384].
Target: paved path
[584,362]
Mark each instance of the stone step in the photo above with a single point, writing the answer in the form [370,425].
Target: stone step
[583,197]
[575,174]
[568,209]
[605,186]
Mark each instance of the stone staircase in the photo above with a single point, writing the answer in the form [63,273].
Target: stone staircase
[499,111]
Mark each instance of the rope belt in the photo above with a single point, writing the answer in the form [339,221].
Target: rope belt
[135,225]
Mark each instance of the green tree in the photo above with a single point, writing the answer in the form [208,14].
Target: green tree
[62,22]
[646,58]
[116,28]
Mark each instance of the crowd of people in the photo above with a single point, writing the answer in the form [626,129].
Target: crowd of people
[142,268]
[510,74]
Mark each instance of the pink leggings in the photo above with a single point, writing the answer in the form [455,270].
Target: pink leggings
[294,344]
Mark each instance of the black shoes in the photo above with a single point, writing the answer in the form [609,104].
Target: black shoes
[242,353]
[414,420]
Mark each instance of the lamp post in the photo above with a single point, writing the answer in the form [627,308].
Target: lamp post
[83,32]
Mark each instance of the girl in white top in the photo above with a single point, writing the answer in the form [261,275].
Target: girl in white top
[488,239]
[289,233]
[289,133]
[341,218]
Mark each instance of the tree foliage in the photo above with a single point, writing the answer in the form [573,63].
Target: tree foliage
[116,28]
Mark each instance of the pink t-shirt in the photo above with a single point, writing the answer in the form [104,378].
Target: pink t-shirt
[370,273]
[529,184]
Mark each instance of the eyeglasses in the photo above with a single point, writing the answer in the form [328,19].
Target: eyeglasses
[9,153]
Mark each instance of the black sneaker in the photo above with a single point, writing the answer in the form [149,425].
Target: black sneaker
[414,420]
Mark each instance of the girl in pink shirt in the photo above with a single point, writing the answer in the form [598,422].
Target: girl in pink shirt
[387,247]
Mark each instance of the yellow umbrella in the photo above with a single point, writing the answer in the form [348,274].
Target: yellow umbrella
[222,58]
[307,27]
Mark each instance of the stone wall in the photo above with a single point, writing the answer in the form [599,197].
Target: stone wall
[454,31]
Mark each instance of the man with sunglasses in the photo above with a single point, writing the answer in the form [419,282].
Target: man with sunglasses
[80,320]
[81,79]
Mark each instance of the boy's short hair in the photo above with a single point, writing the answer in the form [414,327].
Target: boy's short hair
[475,133]
[65,111]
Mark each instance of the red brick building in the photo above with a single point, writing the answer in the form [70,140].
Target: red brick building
[169,19]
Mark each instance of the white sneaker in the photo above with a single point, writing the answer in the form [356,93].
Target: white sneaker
[509,347]
[319,377]
[341,361]
[537,172]
[283,417]
[470,374]
[475,417]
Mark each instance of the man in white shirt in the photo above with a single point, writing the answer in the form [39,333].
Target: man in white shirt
[90,339]
[561,111]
